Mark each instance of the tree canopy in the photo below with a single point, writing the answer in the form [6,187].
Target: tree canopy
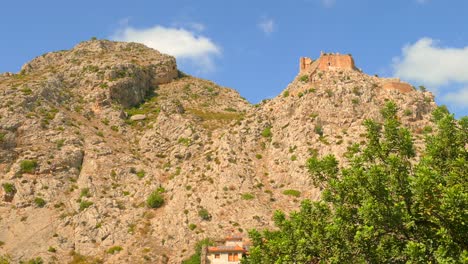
[387,205]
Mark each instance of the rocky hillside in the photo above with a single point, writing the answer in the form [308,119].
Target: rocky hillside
[88,134]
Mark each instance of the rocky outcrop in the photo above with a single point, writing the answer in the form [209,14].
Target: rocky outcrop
[86,135]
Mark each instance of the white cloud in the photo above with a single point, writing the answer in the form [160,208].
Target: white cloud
[430,64]
[441,69]
[457,98]
[179,42]
[267,25]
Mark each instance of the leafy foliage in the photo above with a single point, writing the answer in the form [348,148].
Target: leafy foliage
[39,202]
[267,132]
[37,260]
[291,192]
[156,199]
[386,206]
[85,204]
[247,196]
[114,249]
[9,188]
[28,166]
[204,214]
[4,260]
[304,78]
[196,258]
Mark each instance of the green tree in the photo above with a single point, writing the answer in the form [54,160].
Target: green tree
[196,258]
[386,206]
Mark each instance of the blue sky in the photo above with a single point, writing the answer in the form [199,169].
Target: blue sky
[254,46]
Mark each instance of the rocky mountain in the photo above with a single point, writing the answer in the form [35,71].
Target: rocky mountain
[87,135]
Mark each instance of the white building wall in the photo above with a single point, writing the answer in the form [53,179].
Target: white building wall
[223,259]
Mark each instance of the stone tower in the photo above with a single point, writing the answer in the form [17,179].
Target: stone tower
[326,62]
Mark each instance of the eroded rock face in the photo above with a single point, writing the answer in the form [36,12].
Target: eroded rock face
[93,131]
[125,79]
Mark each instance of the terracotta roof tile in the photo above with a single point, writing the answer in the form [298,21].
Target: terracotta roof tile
[226,249]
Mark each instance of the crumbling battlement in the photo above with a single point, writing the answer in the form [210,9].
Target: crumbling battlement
[397,85]
[327,61]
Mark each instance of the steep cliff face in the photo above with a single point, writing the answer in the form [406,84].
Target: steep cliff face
[86,135]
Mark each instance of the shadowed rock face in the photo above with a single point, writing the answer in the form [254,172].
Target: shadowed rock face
[94,130]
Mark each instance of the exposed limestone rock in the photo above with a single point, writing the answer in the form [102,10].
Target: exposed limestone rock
[86,135]
[138,117]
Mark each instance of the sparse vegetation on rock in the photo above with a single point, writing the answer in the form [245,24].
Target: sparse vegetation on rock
[155,200]
[94,130]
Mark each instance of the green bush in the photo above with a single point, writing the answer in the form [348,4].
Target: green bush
[140,174]
[155,200]
[267,132]
[2,136]
[184,141]
[52,249]
[9,188]
[427,129]
[313,116]
[318,129]
[247,196]
[192,226]
[259,156]
[85,204]
[291,192]
[304,78]
[356,91]
[28,166]
[204,214]
[37,260]
[60,143]
[286,94]
[85,193]
[408,112]
[114,249]
[39,202]
[4,259]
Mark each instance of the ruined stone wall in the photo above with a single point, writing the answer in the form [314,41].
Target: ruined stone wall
[399,86]
[305,64]
[326,62]
[336,61]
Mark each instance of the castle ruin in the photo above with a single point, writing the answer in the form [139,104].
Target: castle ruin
[327,61]
[345,62]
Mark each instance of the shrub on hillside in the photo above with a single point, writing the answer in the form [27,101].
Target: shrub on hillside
[155,200]
[28,166]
